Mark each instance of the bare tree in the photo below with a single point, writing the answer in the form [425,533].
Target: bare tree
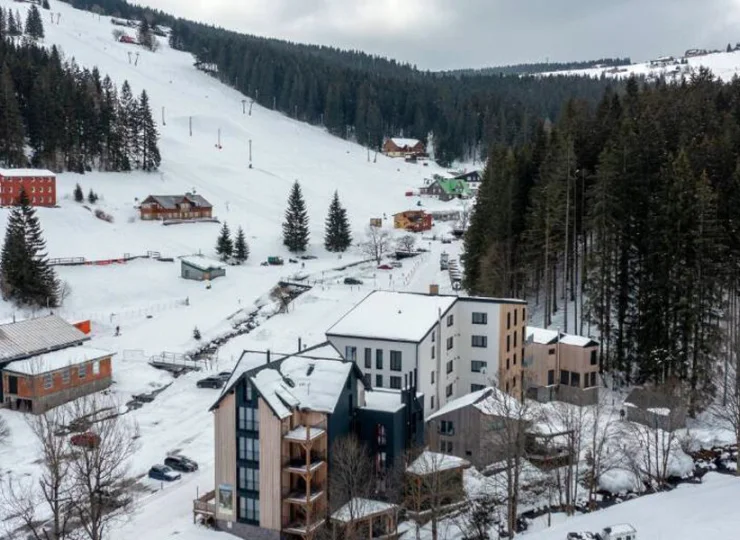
[100,471]
[726,411]
[476,523]
[464,214]
[118,34]
[601,456]
[433,488]
[506,435]
[350,482]
[407,242]
[65,290]
[4,430]
[377,243]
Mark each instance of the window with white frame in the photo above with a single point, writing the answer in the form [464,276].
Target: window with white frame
[480,342]
[48,381]
[396,361]
[448,391]
[450,342]
[450,320]
[81,371]
[480,318]
[450,366]
[249,509]
[65,376]
[477,366]
[396,383]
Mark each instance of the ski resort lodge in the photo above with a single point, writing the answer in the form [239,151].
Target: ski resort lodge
[201,269]
[275,423]
[413,221]
[399,147]
[186,207]
[40,186]
[457,344]
[43,364]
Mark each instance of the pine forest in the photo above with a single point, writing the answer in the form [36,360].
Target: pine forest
[70,117]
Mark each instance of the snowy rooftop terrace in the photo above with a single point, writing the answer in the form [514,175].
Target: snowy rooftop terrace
[385,400]
[393,316]
[53,361]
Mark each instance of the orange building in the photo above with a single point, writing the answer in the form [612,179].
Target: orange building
[43,382]
[413,221]
[40,186]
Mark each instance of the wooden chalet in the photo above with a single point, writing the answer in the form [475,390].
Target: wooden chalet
[400,147]
[188,206]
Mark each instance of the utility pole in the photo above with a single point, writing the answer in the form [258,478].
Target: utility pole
[136,63]
[250,153]
[244,106]
[129,57]
[250,107]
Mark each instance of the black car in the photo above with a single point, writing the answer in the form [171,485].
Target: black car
[352,281]
[210,382]
[224,376]
[181,463]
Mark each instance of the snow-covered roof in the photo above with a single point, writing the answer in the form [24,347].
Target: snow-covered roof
[385,400]
[304,433]
[577,341]
[204,264]
[621,528]
[433,462]
[359,508]
[31,337]
[53,361]
[393,316]
[542,336]
[461,402]
[19,173]
[660,411]
[170,202]
[402,142]
[298,381]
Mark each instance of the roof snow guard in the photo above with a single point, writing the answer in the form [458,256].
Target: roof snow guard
[32,337]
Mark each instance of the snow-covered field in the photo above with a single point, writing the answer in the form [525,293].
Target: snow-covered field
[723,65]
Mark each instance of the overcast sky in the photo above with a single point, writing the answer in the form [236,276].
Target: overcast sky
[446,34]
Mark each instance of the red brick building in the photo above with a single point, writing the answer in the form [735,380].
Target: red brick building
[43,382]
[188,206]
[40,186]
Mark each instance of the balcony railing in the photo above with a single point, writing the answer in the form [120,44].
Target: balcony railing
[300,496]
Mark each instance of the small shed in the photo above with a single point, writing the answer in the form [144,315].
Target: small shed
[201,269]
[365,518]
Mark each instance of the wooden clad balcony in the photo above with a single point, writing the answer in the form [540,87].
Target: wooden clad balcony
[304,434]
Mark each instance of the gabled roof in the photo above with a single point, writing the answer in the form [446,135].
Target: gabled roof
[403,142]
[170,202]
[434,462]
[31,337]
[490,401]
[453,186]
[204,264]
[359,508]
[393,316]
[542,336]
[55,360]
[461,402]
[318,390]
[19,173]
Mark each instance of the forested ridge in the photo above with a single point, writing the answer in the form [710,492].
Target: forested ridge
[367,98]
[71,118]
[629,210]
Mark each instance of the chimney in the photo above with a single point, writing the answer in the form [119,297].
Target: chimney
[268,356]
[433,289]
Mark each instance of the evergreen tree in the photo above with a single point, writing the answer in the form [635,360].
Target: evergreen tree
[13,26]
[45,4]
[34,24]
[295,226]
[241,248]
[92,197]
[338,237]
[224,245]
[12,135]
[3,24]
[147,140]
[27,277]
[129,128]
[78,194]
[145,37]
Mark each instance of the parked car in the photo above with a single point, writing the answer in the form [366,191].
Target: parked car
[275,261]
[293,261]
[210,382]
[308,257]
[85,440]
[385,267]
[164,473]
[352,281]
[396,264]
[181,463]
[224,376]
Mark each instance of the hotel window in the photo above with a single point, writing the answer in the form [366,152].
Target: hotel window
[48,381]
[432,403]
[368,358]
[381,436]
[593,379]
[81,371]
[434,333]
[249,509]
[248,391]
[396,383]
[508,343]
[350,353]
[515,335]
[480,318]
[249,449]
[96,367]
[565,377]
[379,381]
[514,359]
[450,342]
[480,342]
[450,320]
[445,447]
[508,321]
[450,367]
[249,479]
[594,359]
[477,366]
[395,360]
[515,314]
[551,351]
[248,419]
[551,377]
[65,376]
[448,391]
[378,358]
[433,353]
[477,387]
[432,377]
[446,427]
[575,379]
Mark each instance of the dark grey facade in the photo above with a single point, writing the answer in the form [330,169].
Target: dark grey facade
[190,271]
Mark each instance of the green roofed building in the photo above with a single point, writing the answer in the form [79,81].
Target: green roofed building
[446,189]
